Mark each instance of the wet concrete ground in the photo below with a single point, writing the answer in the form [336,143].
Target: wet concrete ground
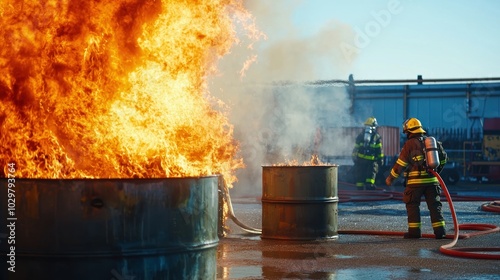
[377,252]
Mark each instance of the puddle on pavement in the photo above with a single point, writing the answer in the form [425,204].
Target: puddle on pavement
[247,272]
[271,272]
[292,255]
[239,272]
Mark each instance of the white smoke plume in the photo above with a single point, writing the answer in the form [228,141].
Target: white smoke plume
[276,111]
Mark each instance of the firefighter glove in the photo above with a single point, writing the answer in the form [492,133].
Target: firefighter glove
[389,180]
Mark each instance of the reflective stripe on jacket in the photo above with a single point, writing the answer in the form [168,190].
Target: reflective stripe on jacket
[372,151]
[411,160]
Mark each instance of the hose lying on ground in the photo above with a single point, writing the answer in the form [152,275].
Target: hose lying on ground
[227,198]
[446,249]
[480,229]
[493,206]
[463,252]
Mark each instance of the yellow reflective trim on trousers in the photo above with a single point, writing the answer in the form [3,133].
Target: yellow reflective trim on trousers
[414,225]
[360,184]
[422,181]
[371,181]
[438,224]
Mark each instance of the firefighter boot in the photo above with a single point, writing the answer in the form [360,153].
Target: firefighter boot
[439,232]
[413,233]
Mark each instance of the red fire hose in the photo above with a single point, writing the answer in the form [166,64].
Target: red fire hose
[465,252]
[472,252]
[480,229]
[491,206]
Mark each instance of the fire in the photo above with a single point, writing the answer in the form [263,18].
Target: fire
[115,89]
[314,161]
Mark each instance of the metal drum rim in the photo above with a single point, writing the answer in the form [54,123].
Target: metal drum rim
[116,179]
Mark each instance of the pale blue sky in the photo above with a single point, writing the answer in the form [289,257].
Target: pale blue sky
[391,39]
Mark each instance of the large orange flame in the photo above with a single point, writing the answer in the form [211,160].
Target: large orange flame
[115,89]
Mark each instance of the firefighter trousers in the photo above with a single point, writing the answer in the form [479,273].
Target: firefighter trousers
[365,172]
[412,197]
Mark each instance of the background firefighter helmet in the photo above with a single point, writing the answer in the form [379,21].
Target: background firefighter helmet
[371,121]
[412,125]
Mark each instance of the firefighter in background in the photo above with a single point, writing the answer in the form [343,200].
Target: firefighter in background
[367,155]
[415,161]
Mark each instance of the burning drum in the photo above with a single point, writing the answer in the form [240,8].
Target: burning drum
[299,202]
[111,228]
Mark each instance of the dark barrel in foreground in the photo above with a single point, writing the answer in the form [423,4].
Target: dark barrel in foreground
[112,228]
[299,202]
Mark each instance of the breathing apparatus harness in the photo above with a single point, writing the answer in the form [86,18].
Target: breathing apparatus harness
[430,160]
[368,138]
[369,135]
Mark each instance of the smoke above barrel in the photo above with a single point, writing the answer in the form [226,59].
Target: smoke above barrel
[279,115]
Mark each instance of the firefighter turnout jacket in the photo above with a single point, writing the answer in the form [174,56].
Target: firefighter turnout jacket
[411,161]
[368,150]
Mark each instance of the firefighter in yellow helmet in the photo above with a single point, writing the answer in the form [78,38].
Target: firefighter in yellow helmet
[418,180]
[367,155]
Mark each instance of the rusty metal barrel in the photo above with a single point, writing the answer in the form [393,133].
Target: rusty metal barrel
[299,202]
[114,228]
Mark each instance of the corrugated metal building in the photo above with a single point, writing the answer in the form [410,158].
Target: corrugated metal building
[456,111]
[452,105]
[452,109]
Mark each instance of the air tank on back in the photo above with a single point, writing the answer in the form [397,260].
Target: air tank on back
[431,152]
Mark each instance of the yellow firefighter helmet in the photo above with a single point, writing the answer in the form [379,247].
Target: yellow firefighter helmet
[413,125]
[371,121]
